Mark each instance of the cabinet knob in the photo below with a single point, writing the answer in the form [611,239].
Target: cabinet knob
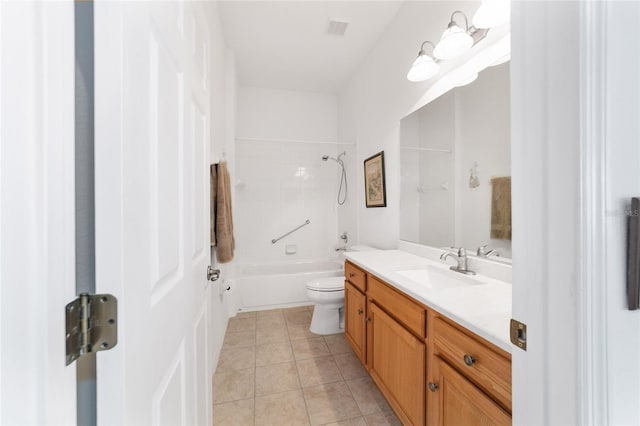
[352,274]
[433,386]
[360,311]
[469,360]
[369,319]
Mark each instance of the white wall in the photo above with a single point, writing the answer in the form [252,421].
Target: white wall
[378,96]
[286,115]
[280,177]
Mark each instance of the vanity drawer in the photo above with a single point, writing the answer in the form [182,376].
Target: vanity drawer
[397,305]
[355,276]
[474,359]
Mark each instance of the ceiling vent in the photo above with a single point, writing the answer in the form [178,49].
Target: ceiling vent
[337,27]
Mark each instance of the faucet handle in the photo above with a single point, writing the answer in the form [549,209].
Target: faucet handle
[482,250]
[462,252]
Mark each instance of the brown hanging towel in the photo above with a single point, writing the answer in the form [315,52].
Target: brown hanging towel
[225,242]
[213,190]
[501,208]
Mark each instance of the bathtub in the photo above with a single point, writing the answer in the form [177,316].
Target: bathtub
[276,285]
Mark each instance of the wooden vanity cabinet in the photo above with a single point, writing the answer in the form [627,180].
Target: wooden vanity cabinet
[356,276]
[461,402]
[431,370]
[396,362]
[355,304]
[386,330]
[355,328]
[488,367]
[470,379]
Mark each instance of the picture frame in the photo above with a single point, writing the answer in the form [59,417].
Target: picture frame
[375,191]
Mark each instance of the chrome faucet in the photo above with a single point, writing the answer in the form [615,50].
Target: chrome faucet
[344,237]
[461,258]
[483,252]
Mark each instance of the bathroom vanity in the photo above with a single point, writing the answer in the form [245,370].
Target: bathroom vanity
[434,341]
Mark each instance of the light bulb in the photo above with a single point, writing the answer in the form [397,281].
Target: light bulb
[453,43]
[423,68]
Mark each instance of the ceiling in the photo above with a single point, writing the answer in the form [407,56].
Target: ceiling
[285,45]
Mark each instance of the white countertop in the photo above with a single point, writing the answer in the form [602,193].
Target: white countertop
[483,309]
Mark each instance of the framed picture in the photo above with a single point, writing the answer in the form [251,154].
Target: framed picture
[374,183]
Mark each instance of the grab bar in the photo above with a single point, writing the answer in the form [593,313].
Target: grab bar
[275,240]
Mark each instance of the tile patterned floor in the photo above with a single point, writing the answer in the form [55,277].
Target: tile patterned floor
[273,371]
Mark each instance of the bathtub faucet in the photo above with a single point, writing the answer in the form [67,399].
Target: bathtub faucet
[341,249]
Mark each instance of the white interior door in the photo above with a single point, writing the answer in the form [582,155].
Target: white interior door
[152,131]
[36,211]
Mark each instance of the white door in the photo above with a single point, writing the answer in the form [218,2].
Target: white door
[152,130]
[36,211]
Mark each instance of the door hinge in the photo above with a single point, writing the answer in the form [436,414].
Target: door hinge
[91,325]
[519,334]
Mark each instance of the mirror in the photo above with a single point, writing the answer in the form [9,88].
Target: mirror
[454,153]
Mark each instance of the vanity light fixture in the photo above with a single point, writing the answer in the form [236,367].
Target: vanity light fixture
[424,67]
[454,41]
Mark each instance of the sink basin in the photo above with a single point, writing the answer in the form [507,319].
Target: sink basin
[437,278]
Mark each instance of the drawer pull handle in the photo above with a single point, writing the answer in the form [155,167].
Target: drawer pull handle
[352,274]
[360,311]
[469,360]
[433,386]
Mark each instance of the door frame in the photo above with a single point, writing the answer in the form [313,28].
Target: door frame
[592,308]
[108,147]
[558,147]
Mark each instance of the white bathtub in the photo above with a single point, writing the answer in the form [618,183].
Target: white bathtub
[275,285]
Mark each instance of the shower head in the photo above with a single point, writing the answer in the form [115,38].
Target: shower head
[343,176]
[337,160]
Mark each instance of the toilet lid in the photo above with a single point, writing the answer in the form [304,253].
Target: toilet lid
[326,284]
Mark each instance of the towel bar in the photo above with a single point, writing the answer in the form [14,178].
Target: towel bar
[275,240]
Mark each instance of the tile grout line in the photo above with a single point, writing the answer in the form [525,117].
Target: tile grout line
[304,399]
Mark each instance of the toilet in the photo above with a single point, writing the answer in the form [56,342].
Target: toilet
[327,294]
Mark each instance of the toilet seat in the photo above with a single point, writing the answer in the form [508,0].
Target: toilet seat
[328,284]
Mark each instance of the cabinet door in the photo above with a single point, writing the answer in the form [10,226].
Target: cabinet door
[397,364]
[460,402]
[354,321]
